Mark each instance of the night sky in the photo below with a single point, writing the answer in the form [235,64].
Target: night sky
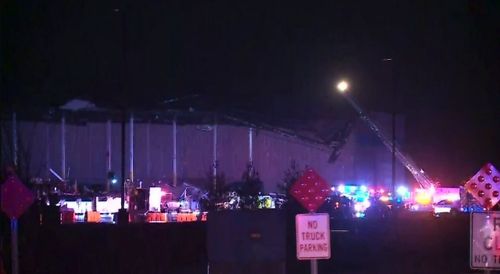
[275,58]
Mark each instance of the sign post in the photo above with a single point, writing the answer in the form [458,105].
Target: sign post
[16,199]
[313,229]
[485,226]
[14,253]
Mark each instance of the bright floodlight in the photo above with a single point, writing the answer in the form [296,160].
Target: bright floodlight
[341,188]
[342,86]
[402,190]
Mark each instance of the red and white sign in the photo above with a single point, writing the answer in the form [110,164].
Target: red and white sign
[313,236]
[16,197]
[310,190]
[485,240]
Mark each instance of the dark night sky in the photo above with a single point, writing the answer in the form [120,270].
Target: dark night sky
[279,59]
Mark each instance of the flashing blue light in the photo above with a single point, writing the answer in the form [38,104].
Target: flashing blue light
[360,214]
[114,181]
[351,189]
[355,193]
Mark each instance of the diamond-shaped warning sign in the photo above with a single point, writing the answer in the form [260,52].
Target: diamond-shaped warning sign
[310,190]
[16,197]
[485,186]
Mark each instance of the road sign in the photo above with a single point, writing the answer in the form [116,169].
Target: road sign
[485,240]
[485,186]
[313,236]
[16,197]
[310,190]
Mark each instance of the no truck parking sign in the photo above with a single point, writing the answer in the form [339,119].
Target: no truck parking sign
[485,240]
[313,236]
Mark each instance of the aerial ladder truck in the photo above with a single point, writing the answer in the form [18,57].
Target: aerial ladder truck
[420,176]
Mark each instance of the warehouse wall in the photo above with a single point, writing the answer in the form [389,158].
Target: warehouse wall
[364,159]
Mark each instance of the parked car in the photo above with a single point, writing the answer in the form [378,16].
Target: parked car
[447,207]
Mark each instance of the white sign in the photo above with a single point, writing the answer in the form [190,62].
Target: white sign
[485,240]
[313,236]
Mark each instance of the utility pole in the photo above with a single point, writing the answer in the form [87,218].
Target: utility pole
[123,216]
